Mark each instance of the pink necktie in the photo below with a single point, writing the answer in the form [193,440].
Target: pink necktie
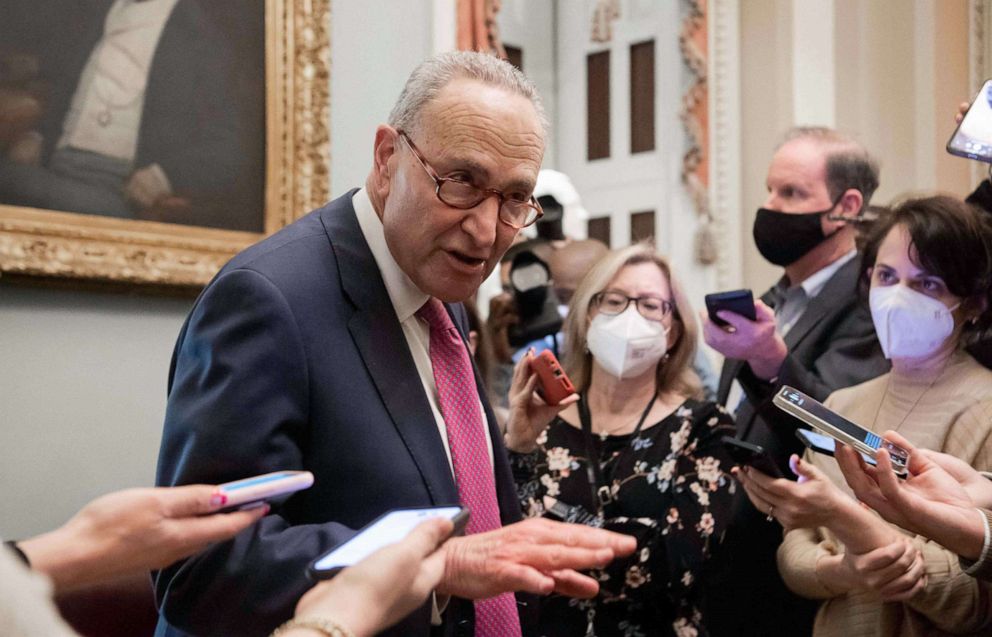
[459,403]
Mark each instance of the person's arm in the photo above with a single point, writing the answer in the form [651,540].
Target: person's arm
[238,405]
[873,555]
[132,531]
[930,501]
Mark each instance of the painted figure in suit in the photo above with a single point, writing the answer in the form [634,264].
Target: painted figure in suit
[154,109]
[812,333]
[310,350]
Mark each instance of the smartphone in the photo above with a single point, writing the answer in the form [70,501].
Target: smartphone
[821,443]
[253,492]
[813,412]
[973,136]
[389,528]
[736,301]
[553,385]
[751,455]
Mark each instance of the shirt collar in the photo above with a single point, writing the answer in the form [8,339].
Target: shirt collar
[814,283]
[404,294]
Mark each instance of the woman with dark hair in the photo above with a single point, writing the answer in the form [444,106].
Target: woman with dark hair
[635,453]
[928,267]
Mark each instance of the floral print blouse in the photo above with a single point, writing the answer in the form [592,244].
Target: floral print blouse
[670,487]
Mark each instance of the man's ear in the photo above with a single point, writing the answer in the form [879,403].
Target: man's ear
[850,203]
[383,150]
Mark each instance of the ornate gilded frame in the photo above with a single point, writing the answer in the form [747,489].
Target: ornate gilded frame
[51,245]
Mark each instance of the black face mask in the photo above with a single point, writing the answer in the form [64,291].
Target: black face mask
[785,237]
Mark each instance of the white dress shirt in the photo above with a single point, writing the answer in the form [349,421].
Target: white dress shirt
[105,114]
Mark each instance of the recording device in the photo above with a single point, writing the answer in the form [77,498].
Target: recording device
[737,301]
[751,455]
[553,385]
[389,528]
[537,305]
[252,492]
[973,136]
[813,412]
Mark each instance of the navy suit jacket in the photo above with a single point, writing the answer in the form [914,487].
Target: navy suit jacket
[293,358]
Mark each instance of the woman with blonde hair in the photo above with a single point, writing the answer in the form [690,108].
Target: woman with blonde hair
[634,452]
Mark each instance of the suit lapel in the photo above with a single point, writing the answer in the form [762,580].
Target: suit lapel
[379,337]
[840,286]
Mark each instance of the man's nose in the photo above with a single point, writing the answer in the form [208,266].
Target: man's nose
[482,222]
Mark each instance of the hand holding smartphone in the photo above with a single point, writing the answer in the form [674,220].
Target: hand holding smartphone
[255,491]
[553,385]
[737,301]
[387,529]
[814,413]
[973,136]
[745,453]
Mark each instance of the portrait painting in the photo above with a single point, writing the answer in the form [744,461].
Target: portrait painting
[147,141]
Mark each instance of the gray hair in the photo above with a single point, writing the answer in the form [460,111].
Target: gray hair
[435,73]
[848,163]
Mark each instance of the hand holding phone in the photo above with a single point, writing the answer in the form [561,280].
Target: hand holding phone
[737,301]
[751,455]
[252,492]
[553,385]
[387,529]
[814,413]
[973,136]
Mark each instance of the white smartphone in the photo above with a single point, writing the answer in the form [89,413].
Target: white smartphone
[973,136]
[813,412]
[252,492]
[387,529]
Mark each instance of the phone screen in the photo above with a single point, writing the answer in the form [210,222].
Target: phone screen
[388,529]
[973,137]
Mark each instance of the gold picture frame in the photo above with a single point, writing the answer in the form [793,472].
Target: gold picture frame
[83,249]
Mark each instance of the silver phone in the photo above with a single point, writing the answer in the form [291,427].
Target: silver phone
[814,413]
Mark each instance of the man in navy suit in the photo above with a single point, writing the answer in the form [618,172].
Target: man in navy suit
[307,352]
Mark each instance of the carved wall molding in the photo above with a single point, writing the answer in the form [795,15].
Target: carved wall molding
[46,243]
[725,140]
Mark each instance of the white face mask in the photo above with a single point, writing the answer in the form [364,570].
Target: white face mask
[909,324]
[626,344]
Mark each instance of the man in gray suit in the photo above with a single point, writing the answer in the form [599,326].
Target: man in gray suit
[812,332]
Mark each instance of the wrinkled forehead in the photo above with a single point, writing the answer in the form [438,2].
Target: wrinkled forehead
[472,122]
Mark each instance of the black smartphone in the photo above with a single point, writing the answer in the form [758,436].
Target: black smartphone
[389,528]
[973,136]
[752,455]
[736,301]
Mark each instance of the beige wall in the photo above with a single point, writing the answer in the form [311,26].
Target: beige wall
[899,71]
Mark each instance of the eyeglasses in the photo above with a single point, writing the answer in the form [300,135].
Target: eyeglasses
[651,307]
[514,210]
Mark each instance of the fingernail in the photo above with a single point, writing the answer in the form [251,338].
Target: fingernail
[218,500]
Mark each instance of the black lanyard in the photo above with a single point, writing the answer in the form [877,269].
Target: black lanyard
[601,495]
